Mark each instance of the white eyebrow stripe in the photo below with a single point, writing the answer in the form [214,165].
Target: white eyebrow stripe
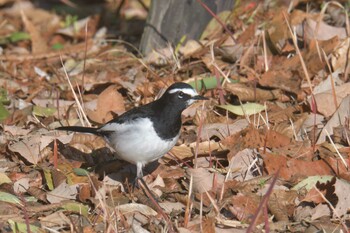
[188,91]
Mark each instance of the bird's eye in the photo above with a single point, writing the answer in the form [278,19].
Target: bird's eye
[181,94]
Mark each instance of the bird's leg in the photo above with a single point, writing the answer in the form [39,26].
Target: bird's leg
[139,175]
[139,172]
[139,178]
[140,182]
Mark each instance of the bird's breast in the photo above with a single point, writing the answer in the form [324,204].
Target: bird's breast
[137,141]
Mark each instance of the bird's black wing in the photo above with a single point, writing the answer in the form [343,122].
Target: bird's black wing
[135,113]
[129,116]
[145,111]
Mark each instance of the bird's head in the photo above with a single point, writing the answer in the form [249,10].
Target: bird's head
[181,95]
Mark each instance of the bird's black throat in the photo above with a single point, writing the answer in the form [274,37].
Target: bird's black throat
[166,118]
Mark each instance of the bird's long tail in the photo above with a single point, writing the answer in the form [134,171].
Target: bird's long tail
[80,129]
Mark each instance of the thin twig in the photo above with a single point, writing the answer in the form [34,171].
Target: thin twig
[149,194]
[262,203]
[188,204]
[217,18]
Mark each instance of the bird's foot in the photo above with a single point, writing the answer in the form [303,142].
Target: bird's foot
[135,183]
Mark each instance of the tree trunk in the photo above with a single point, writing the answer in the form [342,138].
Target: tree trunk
[169,20]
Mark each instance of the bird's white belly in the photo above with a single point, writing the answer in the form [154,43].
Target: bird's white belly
[137,142]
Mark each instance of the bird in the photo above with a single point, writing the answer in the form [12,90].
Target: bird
[146,133]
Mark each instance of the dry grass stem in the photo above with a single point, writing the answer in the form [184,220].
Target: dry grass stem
[336,149]
[84,120]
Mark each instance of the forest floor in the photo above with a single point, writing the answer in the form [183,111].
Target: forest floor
[269,152]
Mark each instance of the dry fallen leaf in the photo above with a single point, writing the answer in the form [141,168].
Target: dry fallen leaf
[335,192]
[236,159]
[321,210]
[31,146]
[134,207]
[38,42]
[222,130]
[325,101]
[339,118]
[340,56]
[246,93]
[56,219]
[108,102]
[202,179]
[242,164]
[321,31]
[291,169]
[244,207]
[62,193]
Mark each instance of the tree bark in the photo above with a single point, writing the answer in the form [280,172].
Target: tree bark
[169,20]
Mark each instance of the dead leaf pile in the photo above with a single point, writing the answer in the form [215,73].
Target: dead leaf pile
[268,152]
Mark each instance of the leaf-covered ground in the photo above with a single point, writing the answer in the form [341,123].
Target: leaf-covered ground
[268,152]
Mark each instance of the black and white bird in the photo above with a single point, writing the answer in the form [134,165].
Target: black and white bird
[146,133]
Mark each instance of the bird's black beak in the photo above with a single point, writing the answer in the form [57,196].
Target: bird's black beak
[199,97]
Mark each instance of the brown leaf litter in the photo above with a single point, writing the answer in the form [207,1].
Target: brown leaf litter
[221,175]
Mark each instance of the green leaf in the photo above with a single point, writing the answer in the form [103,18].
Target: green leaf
[182,40]
[80,172]
[4,113]
[48,179]
[23,227]
[214,26]
[309,182]
[4,97]
[9,198]
[57,46]
[207,83]
[244,109]
[43,112]
[76,208]
[18,36]
[70,20]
